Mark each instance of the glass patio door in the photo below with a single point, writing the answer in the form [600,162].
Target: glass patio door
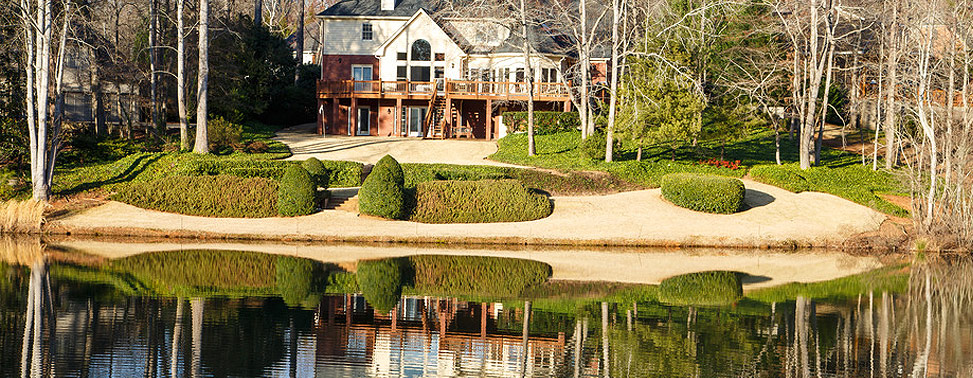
[417,115]
[364,118]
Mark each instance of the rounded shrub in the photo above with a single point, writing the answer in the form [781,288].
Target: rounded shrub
[380,282]
[780,177]
[382,194]
[388,163]
[318,172]
[706,193]
[714,288]
[297,192]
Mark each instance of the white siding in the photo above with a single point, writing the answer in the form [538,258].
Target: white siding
[513,62]
[423,27]
[343,36]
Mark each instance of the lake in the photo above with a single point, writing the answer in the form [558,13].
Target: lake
[154,308]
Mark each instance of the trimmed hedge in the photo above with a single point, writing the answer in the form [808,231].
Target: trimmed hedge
[706,193]
[382,194]
[781,177]
[297,192]
[344,174]
[211,196]
[477,275]
[381,283]
[544,122]
[268,169]
[318,172]
[484,201]
[714,288]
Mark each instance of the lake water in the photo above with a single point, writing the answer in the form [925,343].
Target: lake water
[81,308]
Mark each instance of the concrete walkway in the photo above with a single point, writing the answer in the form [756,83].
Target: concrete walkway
[776,217]
[305,143]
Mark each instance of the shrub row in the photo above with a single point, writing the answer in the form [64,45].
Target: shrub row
[344,174]
[419,173]
[205,196]
[650,173]
[483,201]
[477,275]
[269,169]
[707,193]
[780,176]
[715,288]
[544,122]
[382,193]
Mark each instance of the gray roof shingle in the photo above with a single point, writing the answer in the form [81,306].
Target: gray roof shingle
[403,8]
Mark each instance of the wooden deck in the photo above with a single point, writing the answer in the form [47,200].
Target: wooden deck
[459,90]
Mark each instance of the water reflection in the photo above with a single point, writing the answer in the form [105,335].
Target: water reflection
[157,316]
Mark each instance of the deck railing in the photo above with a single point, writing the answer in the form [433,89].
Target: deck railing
[484,89]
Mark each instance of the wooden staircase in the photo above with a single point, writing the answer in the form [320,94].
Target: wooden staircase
[436,117]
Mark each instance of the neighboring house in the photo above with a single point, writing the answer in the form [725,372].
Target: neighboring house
[312,35]
[89,98]
[388,68]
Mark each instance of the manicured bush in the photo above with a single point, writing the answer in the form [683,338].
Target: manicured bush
[297,192]
[318,172]
[715,288]
[418,173]
[650,173]
[211,196]
[223,134]
[477,275]
[483,201]
[381,283]
[270,169]
[544,122]
[382,194]
[706,193]
[388,163]
[780,176]
[344,174]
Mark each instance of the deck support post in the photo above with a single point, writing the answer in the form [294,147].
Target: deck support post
[567,106]
[353,117]
[489,120]
[333,117]
[447,116]
[321,112]
[399,123]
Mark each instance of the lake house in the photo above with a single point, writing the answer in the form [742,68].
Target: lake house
[399,68]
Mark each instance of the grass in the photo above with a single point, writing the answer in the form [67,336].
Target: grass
[715,288]
[840,173]
[893,279]
[21,217]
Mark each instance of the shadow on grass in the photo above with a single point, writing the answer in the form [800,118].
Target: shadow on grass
[137,167]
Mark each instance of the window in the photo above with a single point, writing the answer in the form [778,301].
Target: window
[548,75]
[520,75]
[440,57]
[505,76]
[401,73]
[366,32]
[403,56]
[421,51]
[439,73]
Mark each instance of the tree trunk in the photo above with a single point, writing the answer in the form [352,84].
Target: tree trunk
[299,41]
[184,143]
[153,64]
[202,139]
[583,51]
[891,91]
[824,102]
[258,12]
[529,77]
[613,101]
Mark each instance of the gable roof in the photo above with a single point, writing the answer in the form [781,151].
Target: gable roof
[373,8]
[419,14]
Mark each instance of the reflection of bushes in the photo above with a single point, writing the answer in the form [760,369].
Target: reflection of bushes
[716,288]
[477,275]
[381,283]
[891,279]
[294,279]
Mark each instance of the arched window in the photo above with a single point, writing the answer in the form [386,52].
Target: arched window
[421,51]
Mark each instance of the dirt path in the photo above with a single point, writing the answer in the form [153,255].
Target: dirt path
[625,266]
[776,217]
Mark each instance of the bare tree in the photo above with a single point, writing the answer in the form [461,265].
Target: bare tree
[202,139]
[181,76]
[613,92]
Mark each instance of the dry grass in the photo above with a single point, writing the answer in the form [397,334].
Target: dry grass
[21,217]
[20,251]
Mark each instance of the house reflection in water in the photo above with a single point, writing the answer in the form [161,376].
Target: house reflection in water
[427,336]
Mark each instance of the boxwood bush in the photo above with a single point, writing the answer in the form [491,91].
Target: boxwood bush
[380,282]
[477,275]
[544,122]
[344,174]
[382,194]
[297,192]
[706,193]
[483,201]
[270,169]
[211,196]
[781,177]
[714,288]
[318,172]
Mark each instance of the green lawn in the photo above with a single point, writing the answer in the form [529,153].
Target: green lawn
[840,172]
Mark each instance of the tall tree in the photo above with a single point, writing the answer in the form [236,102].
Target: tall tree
[613,101]
[202,139]
[528,76]
[181,76]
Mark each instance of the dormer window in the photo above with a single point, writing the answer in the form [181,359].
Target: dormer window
[366,32]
